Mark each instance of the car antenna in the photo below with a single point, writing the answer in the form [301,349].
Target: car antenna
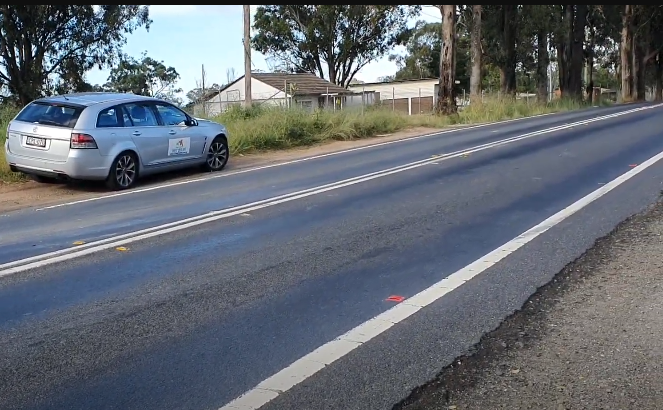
[65,97]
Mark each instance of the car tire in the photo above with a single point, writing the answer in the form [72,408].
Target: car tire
[123,172]
[217,155]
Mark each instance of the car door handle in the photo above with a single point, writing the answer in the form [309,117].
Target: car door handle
[136,133]
[172,132]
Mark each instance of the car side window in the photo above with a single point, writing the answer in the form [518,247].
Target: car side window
[171,115]
[108,118]
[141,115]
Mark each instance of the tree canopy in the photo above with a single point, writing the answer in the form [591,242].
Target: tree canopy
[45,49]
[146,76]
[334,42]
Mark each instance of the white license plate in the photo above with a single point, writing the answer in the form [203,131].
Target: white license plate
[35,142]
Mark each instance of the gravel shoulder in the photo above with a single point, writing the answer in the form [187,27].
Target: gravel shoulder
[590,339]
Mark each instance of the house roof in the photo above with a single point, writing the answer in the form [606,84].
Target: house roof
[307,83]
[414,80]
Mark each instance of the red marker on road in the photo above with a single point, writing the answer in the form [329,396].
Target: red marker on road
[633,165]
[395,298]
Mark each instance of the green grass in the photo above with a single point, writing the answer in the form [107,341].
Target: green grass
[264,129]
[6,114]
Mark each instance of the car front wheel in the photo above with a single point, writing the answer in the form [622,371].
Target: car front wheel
[217,155]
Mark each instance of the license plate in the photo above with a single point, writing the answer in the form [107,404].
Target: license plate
[35,142]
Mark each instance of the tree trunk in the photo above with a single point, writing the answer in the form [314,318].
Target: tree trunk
[625,53]
[659,78]
[509,22]
[565,83]
[590,67]
[446,98]
[575,18]
[639,67]
[562,67]
[476,54]
[542,62]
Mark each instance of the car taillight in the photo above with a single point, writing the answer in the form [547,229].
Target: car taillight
[82,141]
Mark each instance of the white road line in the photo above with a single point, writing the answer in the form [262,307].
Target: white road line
[279,164]
[37,261]
[328,353]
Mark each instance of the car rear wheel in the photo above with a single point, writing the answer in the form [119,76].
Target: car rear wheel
[217,155]
[123,172]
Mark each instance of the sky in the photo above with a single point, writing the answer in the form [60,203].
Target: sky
[188,37]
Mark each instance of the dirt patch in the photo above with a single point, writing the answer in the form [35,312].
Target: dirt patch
[27,194]
[590,339]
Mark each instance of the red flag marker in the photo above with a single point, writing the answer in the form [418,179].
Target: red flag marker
[633,165]
[395,298]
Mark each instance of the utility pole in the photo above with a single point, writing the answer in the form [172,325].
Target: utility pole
[247,56]
[203,94]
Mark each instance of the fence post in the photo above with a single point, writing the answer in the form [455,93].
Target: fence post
[285,93]
[363,96]
[393,98]
[419,112]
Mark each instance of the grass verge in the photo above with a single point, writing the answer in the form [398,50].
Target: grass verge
[262,129]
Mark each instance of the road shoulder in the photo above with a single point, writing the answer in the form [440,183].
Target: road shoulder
[15,196]
[589,339]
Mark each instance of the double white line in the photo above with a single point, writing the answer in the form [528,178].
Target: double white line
[121,240]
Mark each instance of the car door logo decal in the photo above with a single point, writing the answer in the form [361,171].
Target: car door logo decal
[179,146]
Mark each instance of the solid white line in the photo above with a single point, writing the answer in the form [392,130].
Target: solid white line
[279,164]
[328,353]
[37,261]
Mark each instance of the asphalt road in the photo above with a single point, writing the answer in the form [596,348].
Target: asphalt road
[192,318]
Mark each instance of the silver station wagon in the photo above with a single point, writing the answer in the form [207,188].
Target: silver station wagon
[110,137]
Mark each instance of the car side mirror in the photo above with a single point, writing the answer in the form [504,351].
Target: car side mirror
[190,122]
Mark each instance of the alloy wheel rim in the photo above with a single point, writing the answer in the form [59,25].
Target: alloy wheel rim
[218,153]
[125,171]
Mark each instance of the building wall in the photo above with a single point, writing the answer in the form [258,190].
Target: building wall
[234,95]
[402,89]
[409,97]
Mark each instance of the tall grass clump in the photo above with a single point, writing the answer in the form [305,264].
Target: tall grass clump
[267,128]
[7,112]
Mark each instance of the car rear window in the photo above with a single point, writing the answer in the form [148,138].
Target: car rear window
[58,115]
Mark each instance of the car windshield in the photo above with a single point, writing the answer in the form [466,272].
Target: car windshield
[50,114]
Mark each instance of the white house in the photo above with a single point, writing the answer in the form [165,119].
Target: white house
[304,90]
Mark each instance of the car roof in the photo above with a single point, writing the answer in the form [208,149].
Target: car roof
[92,98]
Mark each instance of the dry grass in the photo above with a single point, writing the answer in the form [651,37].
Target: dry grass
[262,128]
